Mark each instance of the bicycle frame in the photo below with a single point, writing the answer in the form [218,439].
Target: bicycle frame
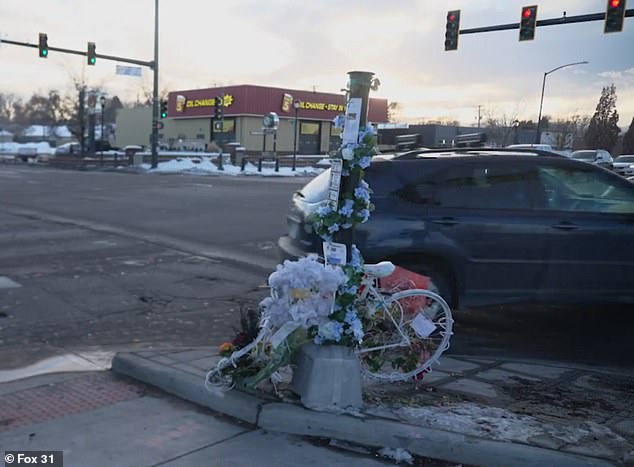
[368,288]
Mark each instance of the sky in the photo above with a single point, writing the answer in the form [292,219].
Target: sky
[312,45]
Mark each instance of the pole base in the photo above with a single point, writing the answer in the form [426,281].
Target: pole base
[328,377]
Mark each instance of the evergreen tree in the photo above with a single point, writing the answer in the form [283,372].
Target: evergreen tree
[603,130]
[628,139]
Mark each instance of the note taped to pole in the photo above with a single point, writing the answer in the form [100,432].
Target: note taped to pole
[352,121]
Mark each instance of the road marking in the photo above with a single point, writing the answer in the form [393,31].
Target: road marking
[6,283]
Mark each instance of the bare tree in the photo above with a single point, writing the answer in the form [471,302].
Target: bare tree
[569,128]
[499,126]
[7,107]
[393,111]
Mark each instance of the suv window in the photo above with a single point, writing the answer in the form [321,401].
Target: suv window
[573,189]
[486,185]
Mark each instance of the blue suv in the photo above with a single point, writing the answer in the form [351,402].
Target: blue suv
[492,226]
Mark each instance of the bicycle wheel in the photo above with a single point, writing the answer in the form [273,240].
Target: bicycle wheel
[408,333]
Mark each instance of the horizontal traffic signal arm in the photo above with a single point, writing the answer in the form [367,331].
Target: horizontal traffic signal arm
[83,53]
[546,22]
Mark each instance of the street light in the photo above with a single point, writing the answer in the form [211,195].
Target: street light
[541,102]
[102,101]
[296,105]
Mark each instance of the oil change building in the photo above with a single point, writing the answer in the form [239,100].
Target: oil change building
[191,118]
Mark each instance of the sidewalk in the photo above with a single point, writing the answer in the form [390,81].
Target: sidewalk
[474,411]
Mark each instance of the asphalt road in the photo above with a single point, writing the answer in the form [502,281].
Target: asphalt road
[235,218]
[117,261]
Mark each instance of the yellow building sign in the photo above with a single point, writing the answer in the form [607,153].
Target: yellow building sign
[211,102]
[322,106]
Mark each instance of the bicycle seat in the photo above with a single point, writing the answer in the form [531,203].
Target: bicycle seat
[382,269]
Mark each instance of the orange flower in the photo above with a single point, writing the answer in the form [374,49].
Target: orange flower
[225,349]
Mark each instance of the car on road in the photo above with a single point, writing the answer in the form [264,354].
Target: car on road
[491,226]
[599,157]
[543,147]
[624,165]
[68,148]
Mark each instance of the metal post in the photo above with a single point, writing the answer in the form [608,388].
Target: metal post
[82,120]
[359,87]
[222,131]
[539,118]
[296,105]
[275,143]
[541,101]
[102,101]
[155,103]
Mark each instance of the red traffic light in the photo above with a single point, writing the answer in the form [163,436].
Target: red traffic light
[615,3]
[527,12]
[452,30]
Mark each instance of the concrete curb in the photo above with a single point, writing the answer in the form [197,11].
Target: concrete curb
[188,386]
[364,430]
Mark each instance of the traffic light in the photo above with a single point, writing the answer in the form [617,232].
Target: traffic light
[43,45]
[218,108]
[163,109]
[528,21]
[614,15]
[91,55]
[453,29]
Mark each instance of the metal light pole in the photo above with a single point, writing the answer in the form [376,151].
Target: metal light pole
[155,102]
[102,101]
[541,102]
[296,105]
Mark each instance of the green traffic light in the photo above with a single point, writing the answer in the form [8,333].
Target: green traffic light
[44,53]
[92,61]
[163,114]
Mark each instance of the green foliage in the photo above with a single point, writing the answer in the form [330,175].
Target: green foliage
[603,131]
[628,139]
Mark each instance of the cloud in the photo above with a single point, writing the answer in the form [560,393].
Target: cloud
[301,44]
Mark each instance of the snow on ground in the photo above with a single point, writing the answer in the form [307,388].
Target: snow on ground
[14,148]
[500,424]
[205,166]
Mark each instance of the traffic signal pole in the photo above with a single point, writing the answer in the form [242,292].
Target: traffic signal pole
[153,65]
[82,53]
[155,102]
[545,22]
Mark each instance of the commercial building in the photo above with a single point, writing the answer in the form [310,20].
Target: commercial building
[304,117]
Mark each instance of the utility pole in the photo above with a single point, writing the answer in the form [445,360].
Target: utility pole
[479,115]
[80,116]
[155,103]
[359,87]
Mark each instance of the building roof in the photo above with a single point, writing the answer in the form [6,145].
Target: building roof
[250,99]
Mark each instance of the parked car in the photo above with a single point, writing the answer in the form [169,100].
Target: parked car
[599,157]
[624,165]
[68,148]
[491,226]
[543,147]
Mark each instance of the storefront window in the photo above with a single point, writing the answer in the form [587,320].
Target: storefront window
[309,128]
